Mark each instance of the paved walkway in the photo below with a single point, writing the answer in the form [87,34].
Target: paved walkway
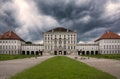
[107,65]
[11,67]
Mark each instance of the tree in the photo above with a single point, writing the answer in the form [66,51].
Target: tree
[28,42]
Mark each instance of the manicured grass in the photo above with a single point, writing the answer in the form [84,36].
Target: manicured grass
[107,56]
[10,57]
[61,67]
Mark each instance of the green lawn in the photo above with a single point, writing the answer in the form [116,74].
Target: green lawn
[61,67]
[10,57]
[107,56]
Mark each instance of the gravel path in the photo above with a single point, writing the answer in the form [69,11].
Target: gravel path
[11,67]
[107,65]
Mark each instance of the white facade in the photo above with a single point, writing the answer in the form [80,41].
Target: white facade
[10,46]
[88,48]
[61,42]
[32,49]
[109,46]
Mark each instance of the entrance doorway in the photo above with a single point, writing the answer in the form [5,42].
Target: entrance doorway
[87,53]
[96,52]
[92,52]
[37,53]
[55,52]
[60,52]
[32,52]
[23,52]
[83,52]
[41,53]
[28,52]
[78,52]
[65,53]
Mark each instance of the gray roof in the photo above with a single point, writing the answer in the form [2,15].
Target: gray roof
[60,29]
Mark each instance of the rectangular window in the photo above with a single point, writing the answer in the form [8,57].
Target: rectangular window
[64,47]
[48,47]
[68,47]
[6,47]
[64,36]
[64,42]
[71,47]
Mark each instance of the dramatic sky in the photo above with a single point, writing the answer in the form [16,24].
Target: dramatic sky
[30,18]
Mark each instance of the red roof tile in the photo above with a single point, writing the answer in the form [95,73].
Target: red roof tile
[109,35]
[11,36]
[0,36]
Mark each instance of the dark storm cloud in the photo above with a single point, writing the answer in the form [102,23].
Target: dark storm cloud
[69,12]
[61,10]
[2,1]
[7,20]
[88,17]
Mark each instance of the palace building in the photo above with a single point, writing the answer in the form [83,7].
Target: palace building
[10,43]
[60,41]
[109,43]
[88,48]
[32,49]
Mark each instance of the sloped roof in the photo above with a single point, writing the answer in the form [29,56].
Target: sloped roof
[0,36]
[109,35]
[10,35]
[60,29]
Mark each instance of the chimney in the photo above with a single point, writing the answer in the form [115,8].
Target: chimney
[10,32]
